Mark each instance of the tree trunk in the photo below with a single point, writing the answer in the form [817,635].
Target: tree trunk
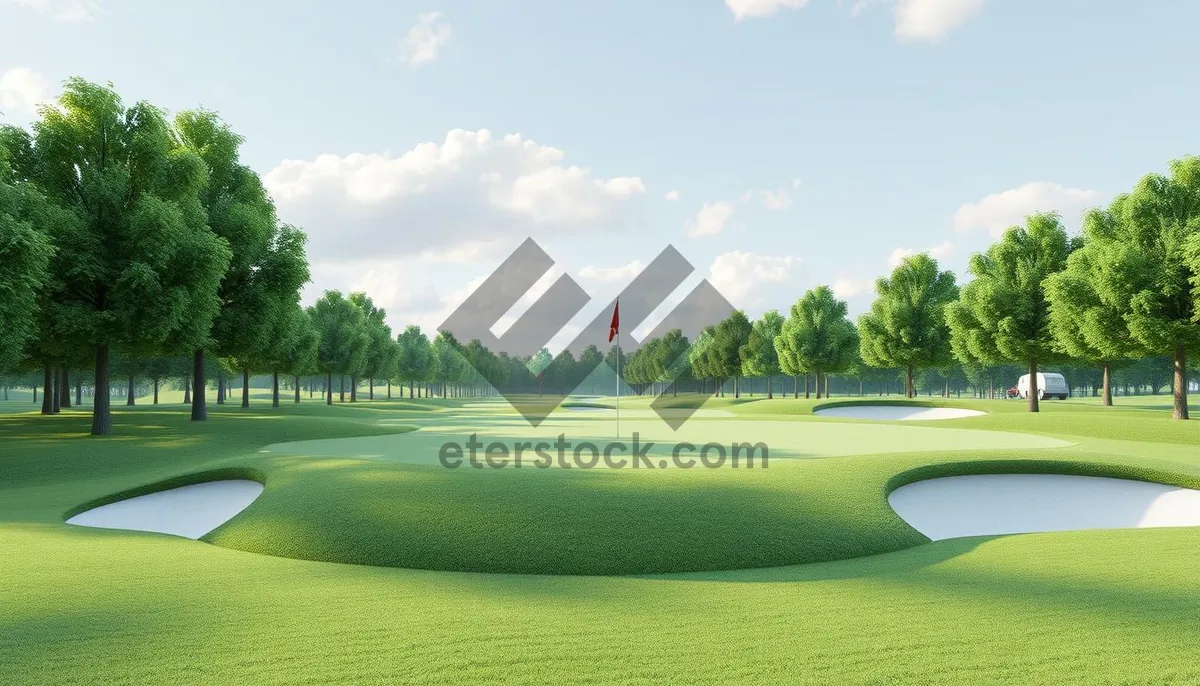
[199,408]
[806,391]
[57,404]
[1181,398]
[329,389]
[274,389]
[816,382]
[795,386]
[341,388]
[47,390]
[187,389]
[770,388]
[101,411]
[297,384]
[131,393]
[353,388]
[389,384]
[827,385]
[220,389]
[64,389]
[1107,386]
[371,387]
[737,386]
[1033,387]
[156,390]
[410,389]
[909,390]
[245,386]
[35,395]
[78,392]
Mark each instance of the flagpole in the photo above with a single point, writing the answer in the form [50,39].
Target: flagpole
[618,384]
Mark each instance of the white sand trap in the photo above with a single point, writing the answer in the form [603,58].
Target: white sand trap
[990,504]
[188,511]
[897,412]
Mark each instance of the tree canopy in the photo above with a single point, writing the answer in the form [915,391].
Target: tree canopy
[906,326]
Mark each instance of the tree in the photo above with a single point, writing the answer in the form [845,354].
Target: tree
[381,351]
[1086,313]
[267,265]
[1147,244]
[538,364]
[448,363]
[1003,314]
[817,337]
[759,356]
[591,359]
[342,339]
[25,251]
[906,326]
[294,350]
[723,354]
[137,266]
[413,359]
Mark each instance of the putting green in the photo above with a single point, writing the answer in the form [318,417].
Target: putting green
[783,439]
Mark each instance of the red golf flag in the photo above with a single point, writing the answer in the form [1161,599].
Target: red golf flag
[615,327]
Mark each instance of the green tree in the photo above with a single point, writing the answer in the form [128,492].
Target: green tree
[342,341]
[1147,245]
[448,364]
[294,350]
[381,352]
[137,266]
[723,354]
[413,361]
[906,326]
[817,336]
[759,356]
[1003,315]
[25,251]
[267,265]
[1086,313]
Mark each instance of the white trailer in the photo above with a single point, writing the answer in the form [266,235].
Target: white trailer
[1049,385]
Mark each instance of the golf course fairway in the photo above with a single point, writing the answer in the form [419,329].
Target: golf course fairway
[799,572]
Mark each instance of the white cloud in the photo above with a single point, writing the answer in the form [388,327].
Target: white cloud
[998,211]
[776,200]
[939,251]
[471,188]
[471,251]
[710,220]
[735,274]
[423,41]
[673,196]
[21,90]
[63,10]
[751,9]
[612,274]
[850,287]
[929,20]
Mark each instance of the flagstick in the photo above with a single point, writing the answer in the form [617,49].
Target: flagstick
[618,384]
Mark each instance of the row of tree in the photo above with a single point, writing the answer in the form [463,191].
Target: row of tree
[130,237]
[1125,289]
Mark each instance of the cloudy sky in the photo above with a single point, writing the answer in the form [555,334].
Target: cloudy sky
[778,144]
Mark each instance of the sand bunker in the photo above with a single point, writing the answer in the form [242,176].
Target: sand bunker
[989,504]
[188,511]
[896,412]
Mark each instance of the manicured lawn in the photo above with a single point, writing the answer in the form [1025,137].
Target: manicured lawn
[875,605]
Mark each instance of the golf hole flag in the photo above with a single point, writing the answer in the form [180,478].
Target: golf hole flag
[615,327]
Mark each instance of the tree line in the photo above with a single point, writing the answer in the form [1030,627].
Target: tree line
[137,244]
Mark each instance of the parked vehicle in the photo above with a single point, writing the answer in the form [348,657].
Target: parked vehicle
[1050,385]
[1013,392]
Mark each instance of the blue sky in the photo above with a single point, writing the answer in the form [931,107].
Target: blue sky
[805,142]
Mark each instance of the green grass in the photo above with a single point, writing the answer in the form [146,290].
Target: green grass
[95,606]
